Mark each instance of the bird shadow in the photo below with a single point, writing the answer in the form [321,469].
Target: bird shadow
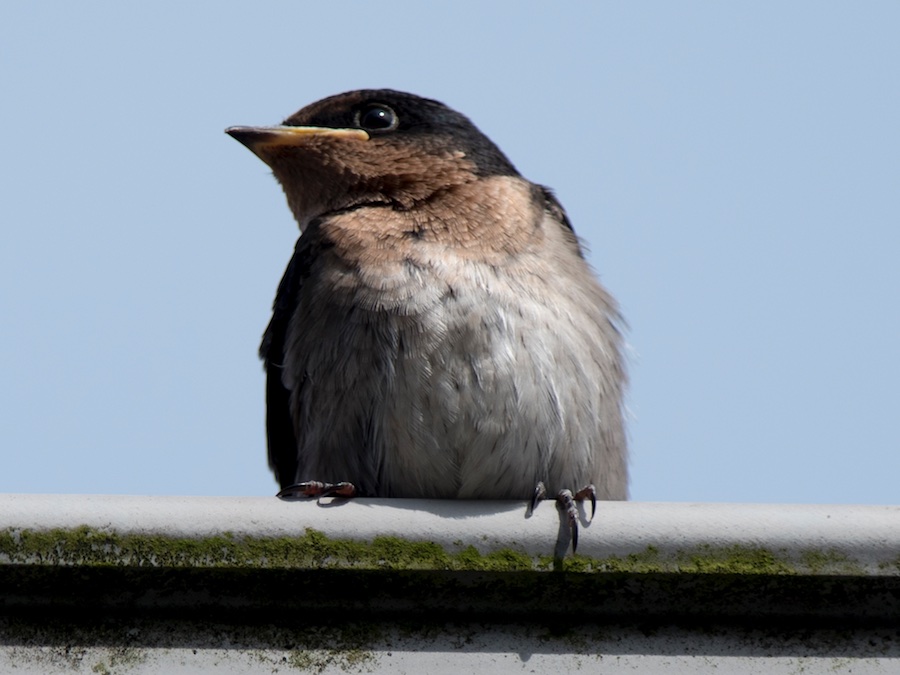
[462,509]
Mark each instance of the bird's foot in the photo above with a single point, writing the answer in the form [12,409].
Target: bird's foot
[318,490]
[565,500]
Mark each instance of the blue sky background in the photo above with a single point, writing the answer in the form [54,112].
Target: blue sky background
[734,168]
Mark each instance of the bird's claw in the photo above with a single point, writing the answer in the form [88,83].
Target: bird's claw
[317,489]
[540,491]
[565,499]
[588,492]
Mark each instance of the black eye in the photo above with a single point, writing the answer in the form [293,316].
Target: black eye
[377,117]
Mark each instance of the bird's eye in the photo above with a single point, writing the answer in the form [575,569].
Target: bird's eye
[377,117]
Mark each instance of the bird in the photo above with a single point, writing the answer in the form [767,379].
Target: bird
[438,332]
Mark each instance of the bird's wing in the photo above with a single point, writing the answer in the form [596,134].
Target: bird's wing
[279,424]
[555,209]
[551,203]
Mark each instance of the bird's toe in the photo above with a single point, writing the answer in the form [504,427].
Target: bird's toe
[317,489]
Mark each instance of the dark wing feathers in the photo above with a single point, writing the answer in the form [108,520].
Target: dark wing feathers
[279,425]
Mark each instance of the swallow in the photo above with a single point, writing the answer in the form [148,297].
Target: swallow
[438,332]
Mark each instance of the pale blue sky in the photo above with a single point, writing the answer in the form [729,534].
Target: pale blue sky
[734,168]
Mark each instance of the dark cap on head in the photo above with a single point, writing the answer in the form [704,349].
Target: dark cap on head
[383,112]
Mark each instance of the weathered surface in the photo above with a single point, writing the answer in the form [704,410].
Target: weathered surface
[141,585]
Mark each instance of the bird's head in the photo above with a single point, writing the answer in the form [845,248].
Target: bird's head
[372,147]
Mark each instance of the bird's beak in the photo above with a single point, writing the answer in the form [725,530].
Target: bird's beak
[261,139]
